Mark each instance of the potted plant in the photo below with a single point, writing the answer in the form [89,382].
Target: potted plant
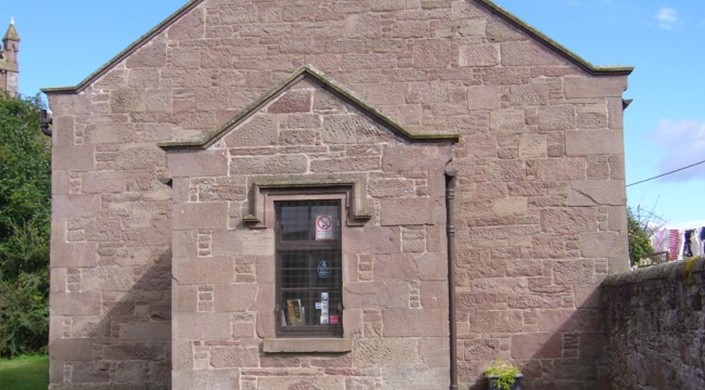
[503,376]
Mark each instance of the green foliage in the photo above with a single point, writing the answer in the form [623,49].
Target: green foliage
[503,373]
[639,239]
[25,372]
[25,191]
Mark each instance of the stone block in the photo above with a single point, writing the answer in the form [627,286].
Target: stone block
[145,331]
[603,244]
[405,377]
[127,101]
[352,129]
[295,101]
[75,304]
[73,254]
[133,351]
[574,272]
[496,321]
[562,169]
[557,117]
[236,356]
[532,146]
[507,121]
[79,157]
[346,164]
[536,346]
[483,98]
[139,157]
[198,163]
[234,297]
[434,295]
[594,87]
[300,382]
[373,239]
[202,326]
[269,165]
[99,182]
[590,142]
[151,55]
[527,53]
[431,53]
[376,352]
[200,216]
[569,220]
[415,322]
[259,130]
[382,294]
[597,193]
[510,206]
[395,267]
[209,270]
[107,278]
[532,94]
[478,55]
[569,321]
[432,266]
[416,211]
[76,350]
[416,158]
[184,299]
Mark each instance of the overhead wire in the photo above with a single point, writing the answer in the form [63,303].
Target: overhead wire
[667,173]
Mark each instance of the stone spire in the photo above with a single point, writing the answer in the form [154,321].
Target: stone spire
[11,43]
[9,66]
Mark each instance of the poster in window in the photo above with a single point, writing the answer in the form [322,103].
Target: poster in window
[324,227]
[295,311]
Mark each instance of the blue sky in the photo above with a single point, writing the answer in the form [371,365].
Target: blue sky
[64,41]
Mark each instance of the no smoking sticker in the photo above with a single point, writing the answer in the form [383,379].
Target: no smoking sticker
[324,227]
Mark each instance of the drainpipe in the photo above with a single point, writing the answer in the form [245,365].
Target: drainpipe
[450,234]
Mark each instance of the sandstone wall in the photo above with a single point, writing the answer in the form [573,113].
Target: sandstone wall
[541,203]
[655,326]
[395,284]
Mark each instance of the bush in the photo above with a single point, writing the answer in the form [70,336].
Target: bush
[25,190]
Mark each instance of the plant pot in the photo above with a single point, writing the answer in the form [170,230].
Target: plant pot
[492,383]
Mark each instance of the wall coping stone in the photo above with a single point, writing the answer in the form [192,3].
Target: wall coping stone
[680,269]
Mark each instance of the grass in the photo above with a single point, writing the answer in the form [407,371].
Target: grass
[27,372]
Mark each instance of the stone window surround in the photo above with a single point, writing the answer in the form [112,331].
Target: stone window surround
[266,195]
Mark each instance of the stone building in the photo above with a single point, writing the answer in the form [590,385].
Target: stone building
[9,66]
[268,195]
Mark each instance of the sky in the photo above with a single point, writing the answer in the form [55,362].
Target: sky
[64,41]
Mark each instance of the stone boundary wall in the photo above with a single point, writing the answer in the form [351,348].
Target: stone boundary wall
[655,326]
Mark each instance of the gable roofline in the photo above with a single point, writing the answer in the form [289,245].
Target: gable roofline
[329,85]
[492,7]
[616,70]
[134,46]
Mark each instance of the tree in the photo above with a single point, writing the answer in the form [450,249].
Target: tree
[25,191]
[639,237]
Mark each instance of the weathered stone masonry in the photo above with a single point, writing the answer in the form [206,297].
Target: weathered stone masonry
[655,326]
[155,286]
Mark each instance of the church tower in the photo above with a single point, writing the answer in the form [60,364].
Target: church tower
[9,67]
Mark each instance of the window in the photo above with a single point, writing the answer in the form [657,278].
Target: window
[308,268]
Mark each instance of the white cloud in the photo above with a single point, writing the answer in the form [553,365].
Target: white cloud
[684,144]
[667,18]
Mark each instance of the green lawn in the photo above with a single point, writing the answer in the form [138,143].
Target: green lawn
[24,373]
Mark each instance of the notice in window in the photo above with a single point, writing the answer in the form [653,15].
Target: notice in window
[324,227]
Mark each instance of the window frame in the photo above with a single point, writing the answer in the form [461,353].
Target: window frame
[306,331]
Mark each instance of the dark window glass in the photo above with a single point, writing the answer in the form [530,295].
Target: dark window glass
[309,270]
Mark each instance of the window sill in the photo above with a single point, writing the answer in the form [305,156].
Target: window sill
[307,345]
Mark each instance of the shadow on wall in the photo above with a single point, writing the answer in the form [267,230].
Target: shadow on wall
[565,350]
[129,346]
